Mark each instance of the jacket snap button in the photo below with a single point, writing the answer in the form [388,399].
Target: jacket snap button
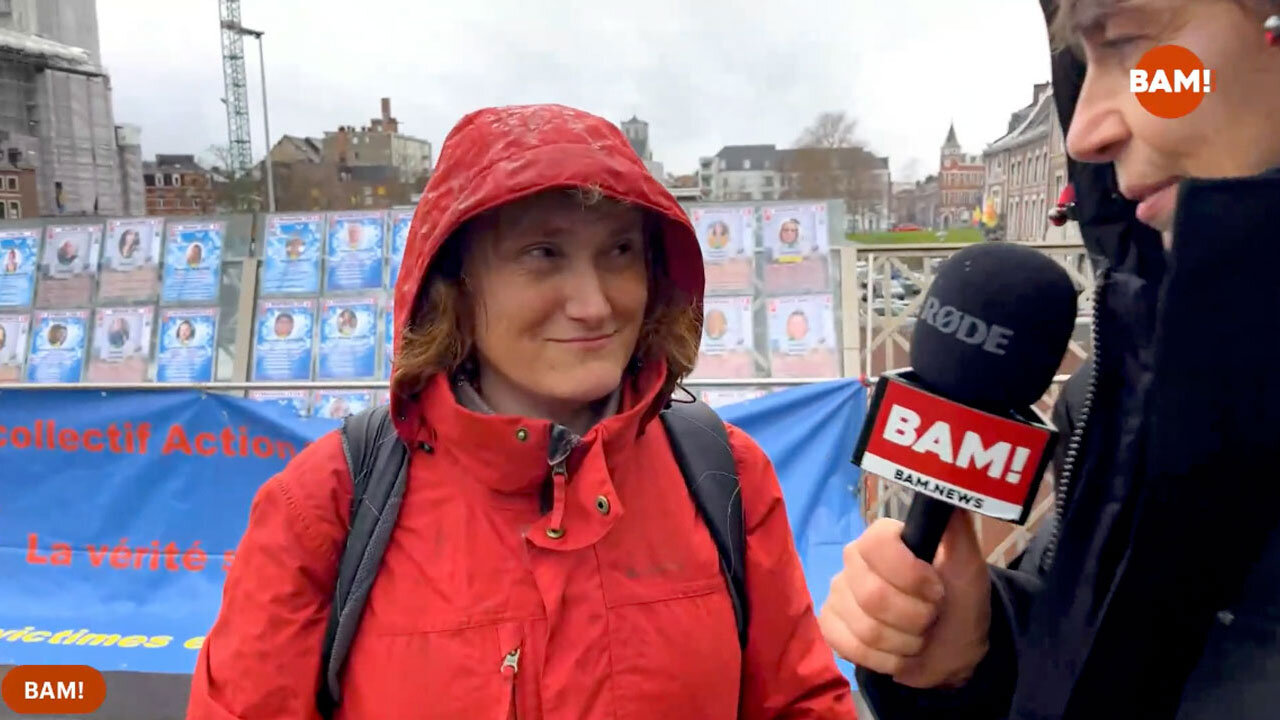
[602,505]
[555,533]
[522,434]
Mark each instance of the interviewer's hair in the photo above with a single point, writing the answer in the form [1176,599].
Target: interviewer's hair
[1073,15]
[440,337]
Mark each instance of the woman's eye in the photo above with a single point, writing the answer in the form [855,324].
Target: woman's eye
[540,252]
[626,247]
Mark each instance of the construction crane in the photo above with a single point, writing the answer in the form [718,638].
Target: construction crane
[239,146]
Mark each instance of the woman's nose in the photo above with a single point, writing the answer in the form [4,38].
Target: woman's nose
[585,296]
[1098,129]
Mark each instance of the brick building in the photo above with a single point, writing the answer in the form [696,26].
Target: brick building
[177,185]
[961,179]
[378,144]
[19,196]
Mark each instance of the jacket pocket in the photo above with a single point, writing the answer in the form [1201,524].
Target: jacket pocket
[677,656]
[472,672]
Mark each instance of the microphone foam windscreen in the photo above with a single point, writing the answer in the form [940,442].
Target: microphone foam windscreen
[994,326]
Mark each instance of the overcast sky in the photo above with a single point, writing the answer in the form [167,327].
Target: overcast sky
[704,73]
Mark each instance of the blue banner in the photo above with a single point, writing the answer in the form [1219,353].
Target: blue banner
[57,349]
[186,346]
[116,557]
[291,259]
[353,260]
[348,338]
[192,262]
[18,252]
[283,340]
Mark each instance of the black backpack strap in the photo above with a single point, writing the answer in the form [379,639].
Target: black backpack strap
[378,463]
[700,443]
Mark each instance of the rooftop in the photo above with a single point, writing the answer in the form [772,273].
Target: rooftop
[173,163]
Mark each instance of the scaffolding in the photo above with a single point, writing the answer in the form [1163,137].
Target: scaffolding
[55,108]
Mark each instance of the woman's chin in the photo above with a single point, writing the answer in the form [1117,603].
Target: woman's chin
[585,385]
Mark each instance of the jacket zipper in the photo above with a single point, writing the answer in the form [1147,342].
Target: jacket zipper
[1070,464]
[511,661]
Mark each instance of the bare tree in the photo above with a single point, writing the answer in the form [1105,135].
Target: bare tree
[831,129]
[828,162]
[232,193]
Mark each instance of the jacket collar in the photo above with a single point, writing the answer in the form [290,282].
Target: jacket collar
[513,454]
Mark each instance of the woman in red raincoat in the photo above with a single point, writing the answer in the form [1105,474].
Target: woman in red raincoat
[549,280]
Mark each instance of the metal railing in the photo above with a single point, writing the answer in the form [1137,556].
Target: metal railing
[236,386]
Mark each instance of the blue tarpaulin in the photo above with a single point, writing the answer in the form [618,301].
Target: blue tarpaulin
[119,511]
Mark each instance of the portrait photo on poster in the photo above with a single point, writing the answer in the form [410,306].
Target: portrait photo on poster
[68,265]
[298,401]
[802,336]
[337,404]
[797,246]
[19,251]
[728,239]
[57,346]
[186,344]
[354,251]
[400,221]
[121,349]
[348,338]
[192,262]
[284,340]
[14,330]
[728,338]
[291,256]
[129,270]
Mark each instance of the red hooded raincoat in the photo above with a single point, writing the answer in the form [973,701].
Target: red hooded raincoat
[625,616]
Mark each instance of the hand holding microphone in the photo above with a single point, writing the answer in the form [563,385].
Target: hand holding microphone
[913,599]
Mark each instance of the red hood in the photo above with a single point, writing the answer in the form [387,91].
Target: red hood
[497,155]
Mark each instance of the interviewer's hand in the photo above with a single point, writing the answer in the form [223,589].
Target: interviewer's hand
[892,613]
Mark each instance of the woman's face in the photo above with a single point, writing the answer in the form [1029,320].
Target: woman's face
[789,233]
[560,293]
[1232,133]
[128,244]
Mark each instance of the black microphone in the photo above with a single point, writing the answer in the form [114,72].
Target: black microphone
[959,428]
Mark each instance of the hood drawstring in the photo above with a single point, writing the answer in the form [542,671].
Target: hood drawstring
[563,441]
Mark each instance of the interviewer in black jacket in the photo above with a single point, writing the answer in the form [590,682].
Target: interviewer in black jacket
[1154,592]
